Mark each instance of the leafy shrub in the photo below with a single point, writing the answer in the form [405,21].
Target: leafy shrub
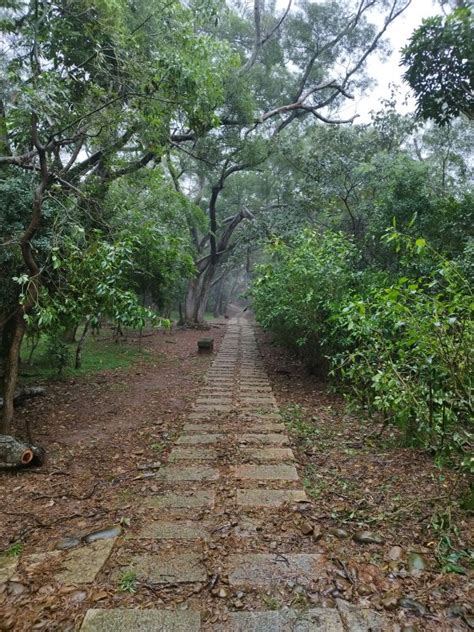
[400,346]
[58,353]
[296,294]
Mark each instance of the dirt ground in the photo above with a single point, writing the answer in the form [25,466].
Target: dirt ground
[99,430]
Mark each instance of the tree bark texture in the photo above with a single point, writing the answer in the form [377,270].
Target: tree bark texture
[11,366]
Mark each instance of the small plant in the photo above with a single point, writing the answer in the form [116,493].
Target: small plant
[451,558]
[158,447]
[128,581]
[271,602]
[58,353]
[14,550]
[294,419]
[309,481]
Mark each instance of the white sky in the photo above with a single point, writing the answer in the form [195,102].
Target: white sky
[388,71]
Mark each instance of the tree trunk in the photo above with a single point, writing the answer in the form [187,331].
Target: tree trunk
[219,297]
[12,361]
[80,344]
[70,335]
[198,295]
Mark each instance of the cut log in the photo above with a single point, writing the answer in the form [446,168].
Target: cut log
[15,453]
[206,345]
[22,394]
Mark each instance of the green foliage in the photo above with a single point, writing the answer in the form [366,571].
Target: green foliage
[400,345]
[159,219]
[58,353]
[439,60]
[14,550]
[128,581]
[296,294]
[99,355]
[293,416]
[89,278]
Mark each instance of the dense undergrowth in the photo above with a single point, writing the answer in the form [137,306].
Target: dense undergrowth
[398,342]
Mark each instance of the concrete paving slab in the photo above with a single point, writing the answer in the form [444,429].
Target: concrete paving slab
[314,620]
[279,472]
[199,499]
[176,473]
[269,497]
[134,620]
[172,530]
[262,569]
[168,568]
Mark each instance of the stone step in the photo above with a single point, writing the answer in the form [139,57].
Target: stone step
[265,472]
[176,473]
[268,454]
[199,438]
[174,530]
[150,620]
[211,408]
[168,568]
[193,453]
[253,570]
[239,427]
[264,439]
[199,499]
[314,620]
[269,497]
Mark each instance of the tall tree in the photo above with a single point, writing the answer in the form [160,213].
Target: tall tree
[439,65]
[92,92]
[298,66]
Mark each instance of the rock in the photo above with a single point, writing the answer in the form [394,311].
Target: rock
[78,596]
[395,553]
[15,589]
[365,590]
[338,533]
[68,543]
[222,593]
[416,562]
[238,603]
[367,537]
[455,611]
[317,533]
[390,601]
[306,528]
[409,628]
[407,603]
[103,534]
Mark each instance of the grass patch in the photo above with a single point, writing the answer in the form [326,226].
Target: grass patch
[294,418]
[97,355]
[128,582]
[14,550]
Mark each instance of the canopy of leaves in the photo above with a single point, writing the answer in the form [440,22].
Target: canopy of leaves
[439,60]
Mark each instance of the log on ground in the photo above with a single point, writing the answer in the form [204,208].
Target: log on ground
[16,453]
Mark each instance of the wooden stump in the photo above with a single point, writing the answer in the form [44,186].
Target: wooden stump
[206,345]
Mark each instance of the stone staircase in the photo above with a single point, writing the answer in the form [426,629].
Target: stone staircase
[214,546]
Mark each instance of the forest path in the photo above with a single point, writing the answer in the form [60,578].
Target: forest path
[218,547]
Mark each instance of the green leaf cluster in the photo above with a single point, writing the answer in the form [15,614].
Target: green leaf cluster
[399,345]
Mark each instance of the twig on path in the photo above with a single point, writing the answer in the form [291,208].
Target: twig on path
[26,515]
[86,496]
